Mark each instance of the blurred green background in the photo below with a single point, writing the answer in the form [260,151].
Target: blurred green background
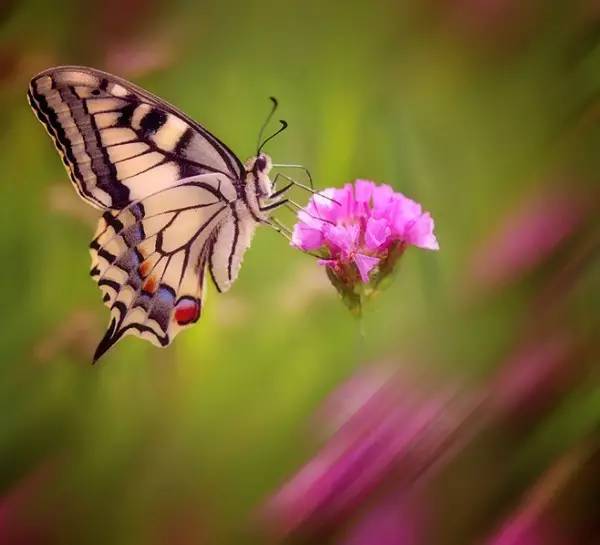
[475,109]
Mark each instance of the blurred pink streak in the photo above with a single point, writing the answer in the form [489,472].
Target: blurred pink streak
[533,377]
[524,530]
[396,520]
[537,520]
[394,433]
[527,236]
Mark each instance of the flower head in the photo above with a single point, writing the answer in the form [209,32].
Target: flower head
[360,231]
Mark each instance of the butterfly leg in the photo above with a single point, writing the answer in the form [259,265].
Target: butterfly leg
[286,233]
[303,168]
[273,205]
[279,227]
[282,190]
[305,187]
[295,208]
[289,203]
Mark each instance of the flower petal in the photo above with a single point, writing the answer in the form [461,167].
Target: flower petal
[365,264]
[420,233]
[306,237]
[377,233]
[404,212]
[322,208]
[345,198]
[363,189]
[327,262]
[342,237]
[382,195]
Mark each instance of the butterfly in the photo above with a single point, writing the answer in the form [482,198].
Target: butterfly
[176,200]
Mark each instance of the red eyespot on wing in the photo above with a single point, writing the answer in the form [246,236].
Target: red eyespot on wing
[187,311]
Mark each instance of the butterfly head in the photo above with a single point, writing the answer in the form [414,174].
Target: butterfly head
[260,167]
[261,164]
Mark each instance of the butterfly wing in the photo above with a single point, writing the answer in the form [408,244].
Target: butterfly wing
[149,259]
[170,194]
[229,245]
[119,142]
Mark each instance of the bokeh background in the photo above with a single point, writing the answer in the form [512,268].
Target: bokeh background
[468,412]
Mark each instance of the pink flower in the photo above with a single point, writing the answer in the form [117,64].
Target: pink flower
[360,231]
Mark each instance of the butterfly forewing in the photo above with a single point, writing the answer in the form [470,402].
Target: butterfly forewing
[119,142]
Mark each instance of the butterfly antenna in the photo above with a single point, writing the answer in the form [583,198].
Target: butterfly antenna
[284,126]
[264,125]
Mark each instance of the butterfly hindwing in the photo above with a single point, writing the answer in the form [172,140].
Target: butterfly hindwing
[119,142]
[149,259]
[228,247]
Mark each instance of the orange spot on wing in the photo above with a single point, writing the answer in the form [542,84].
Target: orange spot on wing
[143,268]
[150,285]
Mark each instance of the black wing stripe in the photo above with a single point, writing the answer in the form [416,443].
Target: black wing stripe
[152,121]
[126,113]
[54,128]
[132,156]
[236,236]
[145,170]
[211,263]
[194,237]
[110,283]
[183,141]
[104,170]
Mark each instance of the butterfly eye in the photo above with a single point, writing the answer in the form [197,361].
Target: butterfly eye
[261,163]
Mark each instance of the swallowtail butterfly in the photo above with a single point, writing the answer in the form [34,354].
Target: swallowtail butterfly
[176,200]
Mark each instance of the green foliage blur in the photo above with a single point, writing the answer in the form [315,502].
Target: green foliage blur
[467,110]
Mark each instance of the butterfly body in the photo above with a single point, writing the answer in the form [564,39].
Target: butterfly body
[176,200]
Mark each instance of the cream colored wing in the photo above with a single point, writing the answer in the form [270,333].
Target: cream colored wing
[229,246]
[149,258]
[120,143]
